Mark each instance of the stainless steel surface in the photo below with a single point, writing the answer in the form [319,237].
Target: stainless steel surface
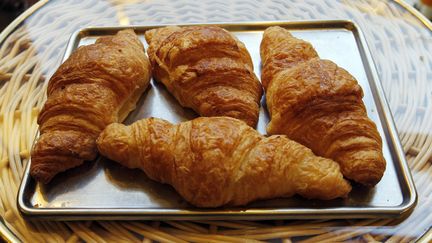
[105,190]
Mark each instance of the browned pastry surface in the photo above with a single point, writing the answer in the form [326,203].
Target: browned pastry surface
[215,161]
[319,105]
[207,69]
[97,85]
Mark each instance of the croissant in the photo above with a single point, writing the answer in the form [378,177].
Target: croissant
[319,105]
[216,161]
[206,69]
[97,85]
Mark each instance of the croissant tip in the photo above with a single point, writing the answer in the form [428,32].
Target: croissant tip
[367,181]
[44,169]
[41,175]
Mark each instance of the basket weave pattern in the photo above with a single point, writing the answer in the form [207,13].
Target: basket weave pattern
[401,47]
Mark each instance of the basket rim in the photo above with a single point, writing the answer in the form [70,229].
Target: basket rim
[5,233]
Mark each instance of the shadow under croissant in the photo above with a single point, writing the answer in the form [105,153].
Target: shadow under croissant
[165,195]
[68,181]
[136,180]
[159,195]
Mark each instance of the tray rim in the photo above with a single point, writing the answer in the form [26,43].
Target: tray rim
[251,214]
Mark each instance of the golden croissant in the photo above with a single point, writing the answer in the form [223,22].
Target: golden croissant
[207,69]
[97,85]
[319,105]
[216,161]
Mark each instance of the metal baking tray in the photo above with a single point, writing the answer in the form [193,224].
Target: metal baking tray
[105,190]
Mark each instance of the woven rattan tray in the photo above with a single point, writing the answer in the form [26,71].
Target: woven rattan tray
[400,40]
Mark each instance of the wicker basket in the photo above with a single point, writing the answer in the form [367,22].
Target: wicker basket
[401,46]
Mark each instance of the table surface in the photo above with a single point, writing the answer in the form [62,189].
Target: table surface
[31,49]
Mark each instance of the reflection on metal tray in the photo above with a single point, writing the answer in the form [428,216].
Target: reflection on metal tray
[106,190]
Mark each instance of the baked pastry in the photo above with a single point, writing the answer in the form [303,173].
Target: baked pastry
[216,161]
[207,69]
[97,85]
[319,105]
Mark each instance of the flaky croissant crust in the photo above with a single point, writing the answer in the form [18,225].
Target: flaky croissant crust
[215,161]
[317,103]
[97,85]
[207,69]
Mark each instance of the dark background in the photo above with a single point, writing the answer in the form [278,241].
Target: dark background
[10,9]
